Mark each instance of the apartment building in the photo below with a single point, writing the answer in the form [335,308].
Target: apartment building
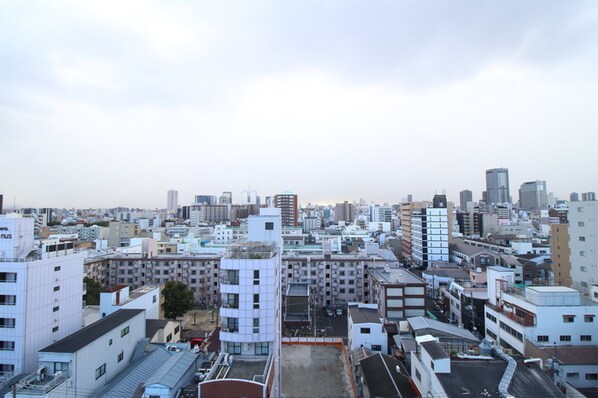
[550,316]
[398,293]
[583,245]
[41,290]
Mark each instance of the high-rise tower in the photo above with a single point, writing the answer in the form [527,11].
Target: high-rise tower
[287,203]
[497,186]
[172,201]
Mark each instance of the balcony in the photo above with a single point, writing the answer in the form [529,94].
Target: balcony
[229,281]
[39,383]
[523,318]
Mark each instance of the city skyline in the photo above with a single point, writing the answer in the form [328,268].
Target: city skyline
[109,104]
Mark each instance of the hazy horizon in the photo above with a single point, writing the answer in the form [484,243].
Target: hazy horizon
[107,104]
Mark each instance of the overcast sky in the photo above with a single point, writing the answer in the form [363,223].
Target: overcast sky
[112,103]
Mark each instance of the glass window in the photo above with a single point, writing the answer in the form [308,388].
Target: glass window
[100,371]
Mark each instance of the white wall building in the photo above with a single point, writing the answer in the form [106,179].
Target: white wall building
[250,288]
[548,316]
[366,328]
[429,359]
[583,244]
[81,363]
[119,297]
[430,236]
[41,292]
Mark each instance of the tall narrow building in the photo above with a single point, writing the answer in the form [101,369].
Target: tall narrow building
[172,201]
[430,233]
[287,203]
[583,241]
[344,212]
[497,186]
[464,197]
[251,297]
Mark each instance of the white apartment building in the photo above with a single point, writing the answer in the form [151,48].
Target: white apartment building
[583,245]
[548,316]
[430,236]
[250,289]
[41,292]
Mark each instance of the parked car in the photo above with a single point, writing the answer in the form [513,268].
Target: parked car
[339,311]
[329,311]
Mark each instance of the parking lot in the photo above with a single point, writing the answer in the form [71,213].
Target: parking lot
[325,326]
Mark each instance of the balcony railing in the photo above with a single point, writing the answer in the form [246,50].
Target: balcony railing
[525,320]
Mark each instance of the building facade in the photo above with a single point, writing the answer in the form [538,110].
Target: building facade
[533,196]
[497,186]
[288,205]
[41,290]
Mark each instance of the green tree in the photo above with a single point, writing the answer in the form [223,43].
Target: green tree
[178,299]
[92,297]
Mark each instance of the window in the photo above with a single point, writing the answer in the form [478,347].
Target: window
[56,288]
[542,339]
[573,375]
[256,276]
[582,253]
[262,348]
[233,348]
[61,366]
[55,309]
[591,376]
[365,330]
[588,318]
[124,332]
[491,317]
[169,338]
[256,325]
[565,338]
[121,356]
[568,318]
[110,342]
[154,299]
[580,224]
[585,337]
[8,277]
[7,323]
[256,301]
[176,329]
[418,375]
[582,238]
[8,299]
[57,268]
[376,347]
[55,329]
[100,371]
[269,226]
[7,345]
[432,365]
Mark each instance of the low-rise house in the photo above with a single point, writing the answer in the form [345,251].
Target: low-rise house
[366,328]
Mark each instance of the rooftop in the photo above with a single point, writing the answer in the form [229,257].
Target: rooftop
[383,378]
[434,350]
[394,276]
[420,324]
[247,369]
[89,334]
[364,315]
[315,370]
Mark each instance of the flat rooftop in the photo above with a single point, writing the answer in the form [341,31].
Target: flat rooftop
[319,370]
[394,276]
[246,369]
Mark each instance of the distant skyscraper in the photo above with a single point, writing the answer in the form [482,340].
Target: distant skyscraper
[430,233]
[574,197]
[533,195]
[464,197]
[249,197]
[497,186]
[344,212]
[172,201]
[226,198]
[409,198]
[287,203]
[206,200]
[588,196]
